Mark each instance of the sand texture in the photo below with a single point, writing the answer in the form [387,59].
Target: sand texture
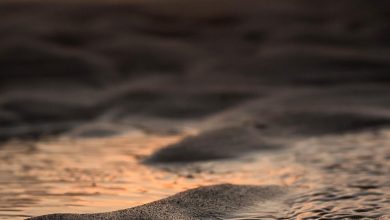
[302,84]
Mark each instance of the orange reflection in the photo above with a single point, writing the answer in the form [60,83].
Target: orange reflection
[105,174]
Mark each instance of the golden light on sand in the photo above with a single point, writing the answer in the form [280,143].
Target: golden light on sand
[106,174]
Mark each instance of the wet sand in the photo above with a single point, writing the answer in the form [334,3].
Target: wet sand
[331,177]
[197,109]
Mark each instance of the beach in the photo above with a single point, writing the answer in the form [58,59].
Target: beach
[214,109]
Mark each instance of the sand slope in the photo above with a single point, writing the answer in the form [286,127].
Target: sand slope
[201,203]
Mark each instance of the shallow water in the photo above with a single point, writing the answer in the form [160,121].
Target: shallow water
[273,70]
[106,174]
[80,175]
[349,179]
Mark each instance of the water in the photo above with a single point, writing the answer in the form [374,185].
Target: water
[351,181]
[332,177]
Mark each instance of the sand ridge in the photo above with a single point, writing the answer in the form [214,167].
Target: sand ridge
[200,203]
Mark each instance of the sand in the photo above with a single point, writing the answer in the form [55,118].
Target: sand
[210,202]
[254,77]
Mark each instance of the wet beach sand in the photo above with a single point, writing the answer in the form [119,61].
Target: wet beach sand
[195,109]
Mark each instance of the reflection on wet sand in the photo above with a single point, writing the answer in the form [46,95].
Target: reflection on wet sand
[106,174]
[80,175]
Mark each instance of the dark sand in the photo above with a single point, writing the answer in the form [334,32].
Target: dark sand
[201,203]
[207,146]
[259,76]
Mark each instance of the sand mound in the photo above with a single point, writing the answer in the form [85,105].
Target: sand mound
[217,144]
[208,202]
